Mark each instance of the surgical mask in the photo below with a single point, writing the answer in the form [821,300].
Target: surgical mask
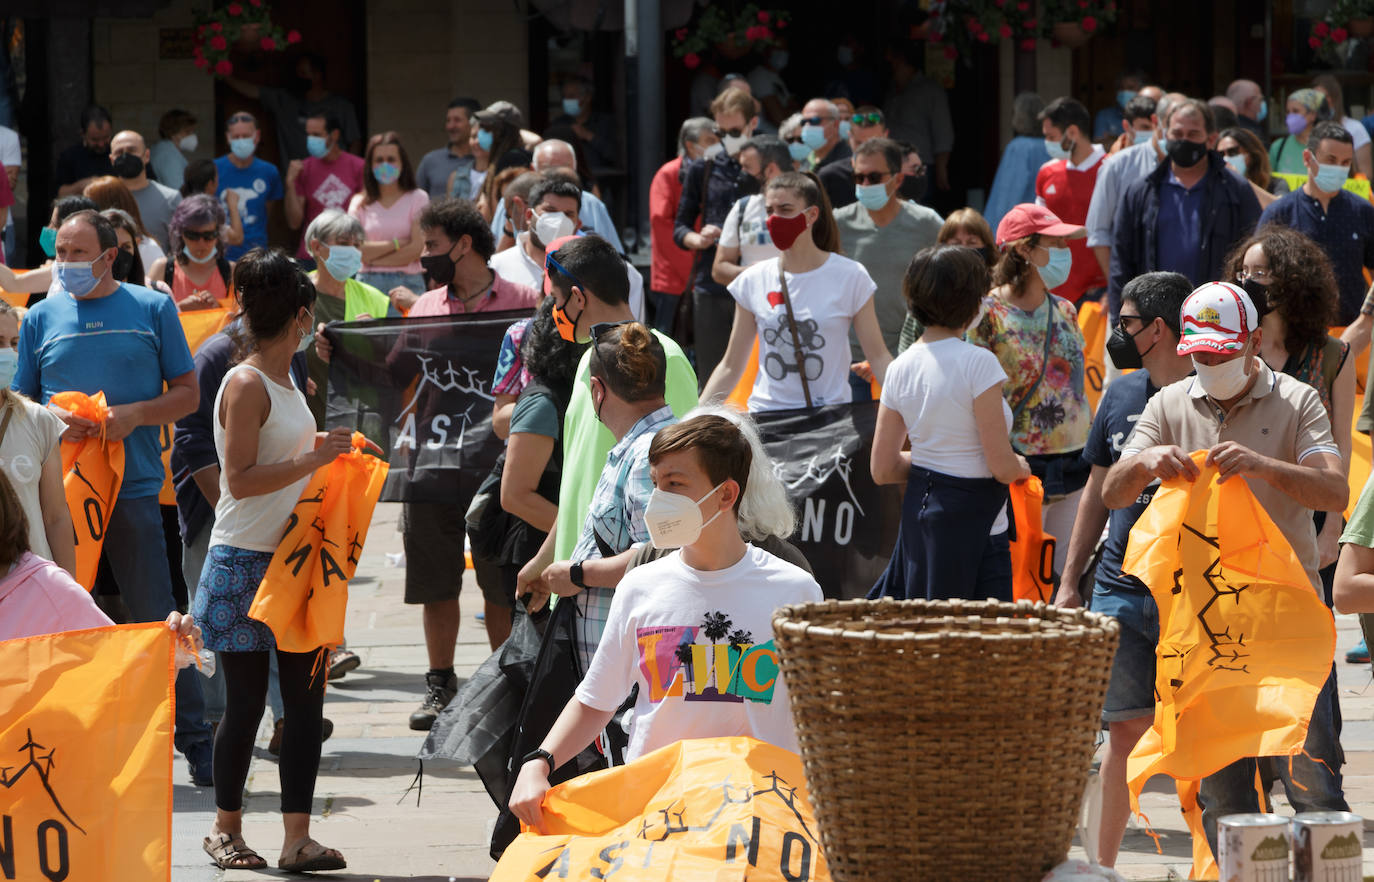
[552,226]
[485,139]
[127,166]
[1142,137]
[1296,122]
[813,136]
[845,126]
[1223,381]
[242,147]
[777,59]
[733,144]
[440,267]
[1123,97]
[1184,153]
[798,150]
[189,143]
[386,173]
[784,231]
[713,151]
[874,197]
[1263,111]
[674,520]
[186,252]
[1056,272]
[571,106]
[77,277]
[47,240]
[316,146]
[122,266]
[1331,178]
[1238,163]
[1057,150]
[343,261]
[9,363]
[1123,352]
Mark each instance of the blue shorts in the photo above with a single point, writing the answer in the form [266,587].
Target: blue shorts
[1131,692]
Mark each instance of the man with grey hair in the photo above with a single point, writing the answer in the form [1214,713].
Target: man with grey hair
[820,131]
[552,154]
[1250,106]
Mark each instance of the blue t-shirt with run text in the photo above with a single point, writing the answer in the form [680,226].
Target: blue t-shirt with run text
[125,345]
[256,185]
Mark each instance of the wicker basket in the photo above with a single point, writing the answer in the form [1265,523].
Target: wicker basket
[945,739]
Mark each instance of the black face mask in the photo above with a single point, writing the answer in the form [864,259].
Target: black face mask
[127,165]
[123,264]
[1185,154]
[1259,295]
[1122,351]
[440,267]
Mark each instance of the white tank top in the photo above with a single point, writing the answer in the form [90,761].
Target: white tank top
[257,523]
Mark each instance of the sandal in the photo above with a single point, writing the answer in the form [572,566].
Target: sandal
[231,853]
[307,855]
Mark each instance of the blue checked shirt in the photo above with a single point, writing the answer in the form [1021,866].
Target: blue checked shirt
[616,516]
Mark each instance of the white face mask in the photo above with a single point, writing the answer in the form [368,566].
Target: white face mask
[734,143]
[674,520]
[1223,381]
[713,151]
[552,226]
[189,143]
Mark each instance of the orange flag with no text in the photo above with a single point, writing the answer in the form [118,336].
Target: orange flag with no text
[92,471]
[1032,554]
[304,594]
[714,808]
[86,755]
[1245,642]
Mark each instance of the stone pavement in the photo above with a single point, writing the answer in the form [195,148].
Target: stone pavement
[369,762]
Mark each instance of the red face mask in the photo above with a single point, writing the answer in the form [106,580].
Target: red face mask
[785,230]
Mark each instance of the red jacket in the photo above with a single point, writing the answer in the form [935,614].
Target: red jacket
[670,266]
[1067,192]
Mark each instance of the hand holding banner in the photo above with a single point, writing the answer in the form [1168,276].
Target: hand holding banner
[92,471]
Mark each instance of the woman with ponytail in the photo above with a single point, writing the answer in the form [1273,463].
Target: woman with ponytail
[801,307]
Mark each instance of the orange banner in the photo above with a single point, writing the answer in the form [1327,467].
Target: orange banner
[199,325]
[304,595]
[1092,321]
[714,808]
[92,471]
[86,755]
[1032,554]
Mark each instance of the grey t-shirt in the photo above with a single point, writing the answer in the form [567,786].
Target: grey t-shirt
[435,168]
[886,252]
[156,204]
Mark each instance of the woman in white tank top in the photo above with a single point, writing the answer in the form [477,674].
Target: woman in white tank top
[266,440]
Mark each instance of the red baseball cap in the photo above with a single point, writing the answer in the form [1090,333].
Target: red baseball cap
[1028,218]
[550,249]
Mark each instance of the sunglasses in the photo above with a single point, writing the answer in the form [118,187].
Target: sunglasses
[552,262]
[1122,320]
[602,327]
[733,133]
[815,120]
[871,177]
[868,119]
[196,236]
[1232,151]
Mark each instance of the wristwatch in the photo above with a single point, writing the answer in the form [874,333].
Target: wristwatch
[575,574]
[538,753]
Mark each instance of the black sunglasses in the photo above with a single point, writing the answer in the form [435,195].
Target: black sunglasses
[868,119]
[871,177]
[733,133]
[195,236]
[815,120]
[602,327]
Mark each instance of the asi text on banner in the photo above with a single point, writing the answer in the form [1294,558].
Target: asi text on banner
[713,808]
[92,471]
[304,594]
[1032,554]
[86,755]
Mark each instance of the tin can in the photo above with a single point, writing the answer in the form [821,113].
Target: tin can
[1327,847]
[1253,848]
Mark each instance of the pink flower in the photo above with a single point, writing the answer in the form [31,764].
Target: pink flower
[1005,31]
[216,26]
[293,36]
[951,53]
[1339,35]
[255,2]
[782,24]
[235,9]
[218,43]
[982,36]
[765,33]
[1089,24]
[1314,42]
[680,34]
[268,44]
[224,68]
[200,31]
[1028,44]
[691,61]
[764,17]
[1321,29]
[201,62]
[749,33]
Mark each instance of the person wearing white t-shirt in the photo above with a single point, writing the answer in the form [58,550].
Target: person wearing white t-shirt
[801,307]
[744,239]
[669,616]
[945,396]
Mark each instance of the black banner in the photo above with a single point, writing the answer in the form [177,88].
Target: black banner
[420,389]
[846,524]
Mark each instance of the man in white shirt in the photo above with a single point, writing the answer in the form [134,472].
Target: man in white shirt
[668,617]
[129,158]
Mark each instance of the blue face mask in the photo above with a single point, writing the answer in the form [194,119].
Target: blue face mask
[813,136]
[1331,178]
[1124,96]
[571,106]
[798,150]
[872,196]
[485,139]
[386,173]
[242,147]
[845,126]
[316,145]
[77,277]
[9,363]
[1057,150]
[1056,272]
[47,240]
[186,251]
[1142,137]
[343,261]
[1263,111]
[1238,163]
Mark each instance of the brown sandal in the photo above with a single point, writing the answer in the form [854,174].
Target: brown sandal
[229,852]
[305,858]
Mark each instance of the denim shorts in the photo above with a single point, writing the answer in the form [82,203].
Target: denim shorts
[1131,692]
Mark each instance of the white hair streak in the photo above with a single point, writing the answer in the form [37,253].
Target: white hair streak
[764,510]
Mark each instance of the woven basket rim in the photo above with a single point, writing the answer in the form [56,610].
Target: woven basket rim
[953,620]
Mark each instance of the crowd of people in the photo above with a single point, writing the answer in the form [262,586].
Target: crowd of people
[788,242]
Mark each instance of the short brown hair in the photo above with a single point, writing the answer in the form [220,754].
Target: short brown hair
[722,449]
[14,525]
[968,220]
[735,101]
[944,285]
[174,121]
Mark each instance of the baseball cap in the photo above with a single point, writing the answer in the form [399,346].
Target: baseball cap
[1217,317]
[502,112]
[1028,218]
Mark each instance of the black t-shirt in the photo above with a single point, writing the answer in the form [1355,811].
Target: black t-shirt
[1117,413]
[838,180]
[76,163]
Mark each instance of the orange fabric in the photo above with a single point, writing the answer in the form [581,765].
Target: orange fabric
[1245,642]
[1092,321]
[1361,363]
[92,471]
[739,398]
[86,754]
[199,325]
[724,809]
[1032,554]
[14,298]
[304,595]
[1360,459]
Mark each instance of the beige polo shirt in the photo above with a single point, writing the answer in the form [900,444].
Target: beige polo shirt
[1280,417]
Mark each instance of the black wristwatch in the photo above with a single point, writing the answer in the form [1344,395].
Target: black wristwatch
[575,574]
[537,753]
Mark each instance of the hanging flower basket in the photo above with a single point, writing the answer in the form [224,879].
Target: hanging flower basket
[732,31]
[960,26]
[242,25]
[1361,27]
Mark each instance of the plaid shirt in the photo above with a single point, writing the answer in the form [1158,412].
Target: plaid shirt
[616,515]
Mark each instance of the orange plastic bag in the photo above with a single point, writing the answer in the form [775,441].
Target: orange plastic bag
[1032,554]
[87,728]
[739,396]
[714,808]
[304,595]
[1245,642]
[92,471]
[1092,321]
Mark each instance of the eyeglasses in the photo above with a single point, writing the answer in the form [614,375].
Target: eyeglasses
[868,119]
[1123,319]
[871,177]
[552,262]
[200,236]
[1263,276]
[815,120]
[240,117]
[795,139]
[733,133]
